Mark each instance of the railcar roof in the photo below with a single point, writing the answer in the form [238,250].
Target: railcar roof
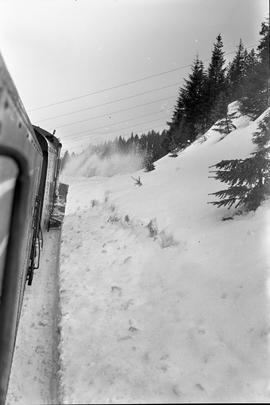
[51,138]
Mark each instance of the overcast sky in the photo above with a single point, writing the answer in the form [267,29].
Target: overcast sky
[62,49]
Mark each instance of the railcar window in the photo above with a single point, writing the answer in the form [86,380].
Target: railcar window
[8,176]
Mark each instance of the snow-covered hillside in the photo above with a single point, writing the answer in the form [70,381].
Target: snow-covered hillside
[161,300]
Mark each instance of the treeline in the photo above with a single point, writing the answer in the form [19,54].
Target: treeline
[151,142]
[207,91]
[149,146]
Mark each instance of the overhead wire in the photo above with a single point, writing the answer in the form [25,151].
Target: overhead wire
[78,134]
[122,84]
[113,112]
[109,88]
[123,129]
[113,124]
[108,102]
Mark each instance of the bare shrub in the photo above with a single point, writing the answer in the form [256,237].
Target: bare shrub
[127,218]
[94,203]
[137,181]
[167,240]
[152,227]
[113,219]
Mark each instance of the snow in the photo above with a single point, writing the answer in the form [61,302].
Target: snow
[161,300]
[34,371]
[89,164]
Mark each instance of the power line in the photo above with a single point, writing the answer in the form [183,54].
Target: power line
[110,88]
[114,112]
[122,129]
[115,123]
[122,84]
[109,102]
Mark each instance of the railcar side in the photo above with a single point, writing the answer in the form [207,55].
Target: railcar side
[29,172]
[20,170]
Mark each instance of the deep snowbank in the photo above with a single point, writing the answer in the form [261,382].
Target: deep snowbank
[161,299]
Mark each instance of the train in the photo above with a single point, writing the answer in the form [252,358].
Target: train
[29,184]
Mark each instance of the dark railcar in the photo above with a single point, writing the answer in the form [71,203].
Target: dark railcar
[20,170]
[29,172]
[51,148]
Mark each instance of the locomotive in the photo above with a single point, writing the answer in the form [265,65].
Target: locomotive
[29,180]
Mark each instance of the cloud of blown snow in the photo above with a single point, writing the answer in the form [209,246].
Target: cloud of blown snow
[89,164]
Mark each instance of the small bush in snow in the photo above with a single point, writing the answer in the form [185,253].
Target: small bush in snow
[127,218]
[225,125]
[113,218]
[202,139]
[106,197]
[152,227]
[173,148]
[137,181]
[166,240]
[149,162]
[94,203]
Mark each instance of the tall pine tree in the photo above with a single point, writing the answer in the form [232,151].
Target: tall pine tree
[256,90]
[193,97]
[248,179]
[189,115]
[216,80]
[236,73]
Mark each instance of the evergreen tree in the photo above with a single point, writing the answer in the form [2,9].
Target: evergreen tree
[220,108]
[193,113]
[216,73]
[148,163]
[205,95]
[263,47]
[175,133]
[193,99]
[248,179]
[250,64]
[219,114]
[173,148]
[225,125]
[189,115]
[256,92]
[261,137]
[236,73]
